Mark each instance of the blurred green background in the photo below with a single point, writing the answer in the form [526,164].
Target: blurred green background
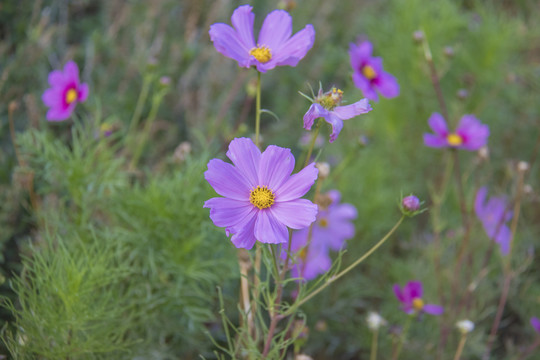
[108,260]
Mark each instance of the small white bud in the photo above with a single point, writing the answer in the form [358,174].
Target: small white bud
[483,153]
[375,321]
[302,357]
[465,326]
[324,169]
[523,166]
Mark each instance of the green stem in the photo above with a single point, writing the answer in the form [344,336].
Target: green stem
[374,344]
[258,110]
[312,144]
[145,89]
[297,304]
[461,345]
[403,336]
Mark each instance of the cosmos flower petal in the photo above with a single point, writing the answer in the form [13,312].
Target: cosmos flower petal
[227,180]
[345,211]
[83,92]
[473,131]
[399,294]
[360,53]
[276,30]
[298,184]
[296,48]
[245,237]
[350,111]
[387,85]
[535,322]
[435,141]
[275,167]
[433,309]
[52,97]
[503,238]
[479,201]
[363,84]
[246,157]
[242,20]
[71,71]
[58,114]
[268,230]
[414,288]
[226,212]
[296,214]
[227,42]
[55,78]
[314,112]
[337,125]
[438,124]
[319,263]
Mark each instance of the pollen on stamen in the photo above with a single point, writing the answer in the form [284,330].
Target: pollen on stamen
[454,139]
[369,72]
[71,96]
[262,197]
[261,53]
[418,304]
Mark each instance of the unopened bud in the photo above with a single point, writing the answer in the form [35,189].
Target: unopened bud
[465,326]
[411,203]
[418,36]
[462,94]
[303,357]
[448,51]
[523,166]
[324,169]
[165,81]
[483,153]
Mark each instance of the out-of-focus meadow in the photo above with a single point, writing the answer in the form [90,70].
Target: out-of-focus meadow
[106,250]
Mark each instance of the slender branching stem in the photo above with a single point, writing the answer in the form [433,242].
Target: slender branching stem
[374,345]
[402,338]
[461,345]
[258,110]
[312,143]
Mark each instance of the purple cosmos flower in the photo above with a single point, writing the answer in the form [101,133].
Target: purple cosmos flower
[535,322]
[332,227]
[411,299]
[327,106]
[261,198]
[494,214]
[368,74]
[275,46]
[470,134]
[65,92]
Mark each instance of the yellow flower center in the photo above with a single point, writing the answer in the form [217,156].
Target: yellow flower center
[261,53]
[369,72]
[261,197]
[71,96]
[323,223]
[330,99]
[454,139]
[418,304]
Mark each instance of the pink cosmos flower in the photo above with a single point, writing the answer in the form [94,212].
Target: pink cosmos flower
[332,227]
[535,322]
[368,74]
[327,106]
[261,198]
[65,92]
[411,299]
[470,134]
[494,215]
[275,46]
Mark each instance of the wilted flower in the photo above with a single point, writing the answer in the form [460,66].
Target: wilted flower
[332,227]
[261,198]
[65,92]
[368,74]
[494,215]
[375,321]
[535,322]
[327,106]
[411,299]
[275,46]
[470,134]
[465,326]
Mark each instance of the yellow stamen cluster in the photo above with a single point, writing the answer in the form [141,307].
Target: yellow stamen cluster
[323,223]
[262,197]
[418,304]
[330,99]
[454,139]
[261,53]
[71,96]
[369,72]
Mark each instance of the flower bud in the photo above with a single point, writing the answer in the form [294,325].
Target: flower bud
[523,166]
[448,51]
[465,326]
[462,94]
[324,169]
[410,203]
[418,36]
[375,321]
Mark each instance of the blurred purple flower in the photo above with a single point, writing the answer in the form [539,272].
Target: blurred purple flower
[411,299]
[494,215]
[470,134]
[261,198]
[368,74]
[410,203]
[535,322]
[275,46]
[327,106]
[65,92]
[329,232]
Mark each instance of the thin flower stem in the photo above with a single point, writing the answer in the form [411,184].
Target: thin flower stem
[145,89]
[435,78]
[312,143]
[498,316]
[461,345]
[406,328]
[299,303]
[374,344]
[530,349]
[258,110]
